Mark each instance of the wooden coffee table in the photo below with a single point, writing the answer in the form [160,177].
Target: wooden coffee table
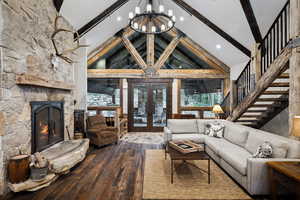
[200,155]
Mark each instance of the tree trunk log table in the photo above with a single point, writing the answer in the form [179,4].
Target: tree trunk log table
[279,172]
[199,155]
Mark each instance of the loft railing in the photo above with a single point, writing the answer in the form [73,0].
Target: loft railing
[276,38]
[226,105]
[272,44]
[244,83]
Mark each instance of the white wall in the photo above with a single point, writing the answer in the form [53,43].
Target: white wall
[236,70]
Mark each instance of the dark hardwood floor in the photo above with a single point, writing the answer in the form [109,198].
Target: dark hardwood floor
[112,172]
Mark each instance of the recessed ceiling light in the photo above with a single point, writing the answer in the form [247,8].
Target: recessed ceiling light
[181,19]
[218,46]
[119,18]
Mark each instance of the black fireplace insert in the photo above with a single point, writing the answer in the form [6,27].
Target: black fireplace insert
[47,123]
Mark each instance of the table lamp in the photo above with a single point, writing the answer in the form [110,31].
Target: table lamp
[218,110]
[296,126]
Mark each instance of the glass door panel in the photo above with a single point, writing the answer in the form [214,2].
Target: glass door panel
[140,102]
[160,106]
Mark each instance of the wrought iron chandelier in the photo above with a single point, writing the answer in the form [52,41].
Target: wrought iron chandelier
[153,19]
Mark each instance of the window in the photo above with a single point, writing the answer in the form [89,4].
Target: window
[104,92]
[201,92]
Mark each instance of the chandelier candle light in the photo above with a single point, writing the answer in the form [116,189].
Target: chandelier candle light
[151,20]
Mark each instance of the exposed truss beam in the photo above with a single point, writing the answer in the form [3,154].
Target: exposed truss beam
[162,73]
[102,16]
[134,53]
[214,27]
[108,45]
[246,5]
[150,49]
[58,4]
[168,51]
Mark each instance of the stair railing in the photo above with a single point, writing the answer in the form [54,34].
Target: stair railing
[271,46]
[244,83]
[276,38]
[226,105]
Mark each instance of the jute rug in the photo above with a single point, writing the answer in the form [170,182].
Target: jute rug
[189,182]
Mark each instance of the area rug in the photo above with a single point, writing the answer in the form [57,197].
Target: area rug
[144,138]
[189,181]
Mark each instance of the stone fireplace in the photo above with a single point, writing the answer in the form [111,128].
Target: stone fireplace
[47,122]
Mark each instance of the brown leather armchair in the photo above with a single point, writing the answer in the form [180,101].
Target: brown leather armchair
[99,133]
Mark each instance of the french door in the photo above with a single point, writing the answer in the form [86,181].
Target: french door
[149,104]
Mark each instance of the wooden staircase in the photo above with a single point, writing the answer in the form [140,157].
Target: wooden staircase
[268,104]
[262,90]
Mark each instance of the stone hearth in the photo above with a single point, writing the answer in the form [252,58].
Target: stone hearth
[62,157]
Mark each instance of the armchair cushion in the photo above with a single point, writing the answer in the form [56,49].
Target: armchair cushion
[99,133]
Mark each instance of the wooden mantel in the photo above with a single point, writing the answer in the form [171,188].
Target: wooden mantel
[26,79]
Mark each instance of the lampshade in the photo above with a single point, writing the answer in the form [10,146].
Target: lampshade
[296,126]
[217,109]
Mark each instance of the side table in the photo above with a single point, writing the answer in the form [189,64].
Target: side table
[286,170]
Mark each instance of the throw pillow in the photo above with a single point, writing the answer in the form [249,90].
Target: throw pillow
[207,129]
[215,130]
[264,150]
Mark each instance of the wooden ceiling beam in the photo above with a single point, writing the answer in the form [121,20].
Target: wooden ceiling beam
[195,13]
[162,73]
[134,53]
[150,49]
[168,51]
[102,16]
[108,45]
[246,5]
[58,4]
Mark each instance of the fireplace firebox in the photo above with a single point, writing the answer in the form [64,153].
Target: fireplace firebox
[47,121]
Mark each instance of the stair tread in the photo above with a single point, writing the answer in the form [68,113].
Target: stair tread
[272,99]
[254,116]
[280,84]
[284,76]
[252,111]
[274,92]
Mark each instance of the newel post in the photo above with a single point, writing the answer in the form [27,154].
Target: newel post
[233,95]
[256,62]
[294,100]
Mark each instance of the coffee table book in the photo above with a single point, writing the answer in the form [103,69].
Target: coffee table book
[185,146]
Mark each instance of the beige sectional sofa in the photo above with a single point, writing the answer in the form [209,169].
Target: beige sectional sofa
[234,152]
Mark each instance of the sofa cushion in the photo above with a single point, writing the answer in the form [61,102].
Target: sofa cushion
[197,138]
[236,157]
[236,135]
[280,147]
[231,153]
[183,126]
[217,144]
[201,126]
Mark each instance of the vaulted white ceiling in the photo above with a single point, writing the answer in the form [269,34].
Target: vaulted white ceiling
[226,14]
